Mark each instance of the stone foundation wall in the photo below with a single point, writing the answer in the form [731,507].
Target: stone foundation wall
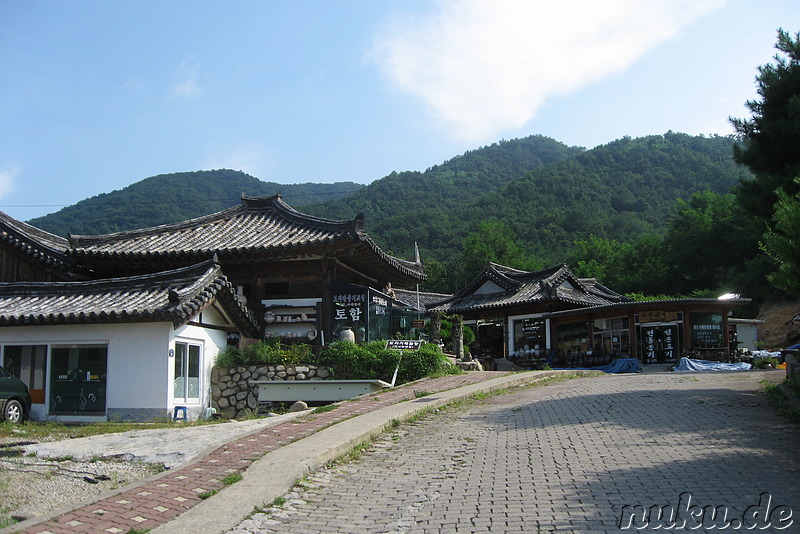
[233,393]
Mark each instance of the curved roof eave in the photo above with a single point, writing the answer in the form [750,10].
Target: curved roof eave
[47,248]
[288,233]
[730,303]
[175,296]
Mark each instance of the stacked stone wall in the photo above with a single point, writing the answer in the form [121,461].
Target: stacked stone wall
[234,394]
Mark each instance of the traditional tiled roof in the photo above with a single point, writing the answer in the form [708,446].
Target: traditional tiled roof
[499,286]
[412,298]
[48,249]
[176,296]
[258,228]
[662,303]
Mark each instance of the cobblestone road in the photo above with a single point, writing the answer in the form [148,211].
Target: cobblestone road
[576,456]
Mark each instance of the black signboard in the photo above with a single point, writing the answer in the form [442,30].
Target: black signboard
[533,330]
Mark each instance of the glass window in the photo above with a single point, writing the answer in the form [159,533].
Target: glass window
[380,317]
[531,332]
[29,364]
[573,337]
[186,384]
[611,336]
[78,379]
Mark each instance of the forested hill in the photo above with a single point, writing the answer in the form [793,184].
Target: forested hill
[447,186]
[548,194]
[176,197]
[617,191]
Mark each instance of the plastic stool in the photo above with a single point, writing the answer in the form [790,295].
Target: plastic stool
[182,411]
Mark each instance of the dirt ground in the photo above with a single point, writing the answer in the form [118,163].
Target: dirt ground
[36,478]
[775,333]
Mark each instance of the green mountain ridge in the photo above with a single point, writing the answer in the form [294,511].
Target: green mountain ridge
[448,185]
[548,195]
[168,198]
[621,190]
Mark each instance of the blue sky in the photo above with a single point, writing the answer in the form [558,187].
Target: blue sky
[96,95]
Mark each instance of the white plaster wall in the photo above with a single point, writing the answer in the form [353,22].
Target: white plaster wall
[137,366]
[140,368]
[747,335]
[137,357]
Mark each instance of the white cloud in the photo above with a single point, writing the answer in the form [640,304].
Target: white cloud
[248,158]
[484,66]
[7,179]
[187,85]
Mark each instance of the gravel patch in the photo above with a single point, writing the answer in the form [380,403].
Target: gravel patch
[168,446]
[41,477]
[31,486]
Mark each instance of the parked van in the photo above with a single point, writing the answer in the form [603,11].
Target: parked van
[15,400]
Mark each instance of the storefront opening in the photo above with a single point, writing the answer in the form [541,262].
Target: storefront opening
[29,364]
[78,379]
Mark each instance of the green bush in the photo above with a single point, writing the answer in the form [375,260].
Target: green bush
[229,357]
[350,361]
[346,360]
[765,363]
[372,361]
[268,352]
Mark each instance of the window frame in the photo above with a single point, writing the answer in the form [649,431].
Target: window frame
[183,362]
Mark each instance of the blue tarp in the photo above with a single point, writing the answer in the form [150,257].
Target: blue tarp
[620,365]
[688,364]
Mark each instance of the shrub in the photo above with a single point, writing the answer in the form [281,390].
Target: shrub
[766,362]
[373,361]
[347,360]
[268,352]
[350,361]
[229,357]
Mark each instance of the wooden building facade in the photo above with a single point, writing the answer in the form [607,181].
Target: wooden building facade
[555,317]
[296,272]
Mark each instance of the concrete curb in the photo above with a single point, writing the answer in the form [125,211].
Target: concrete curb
[276,472]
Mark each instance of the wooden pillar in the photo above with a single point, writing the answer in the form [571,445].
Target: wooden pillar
[687,332]
[326,306]
[633,342]
[726,338]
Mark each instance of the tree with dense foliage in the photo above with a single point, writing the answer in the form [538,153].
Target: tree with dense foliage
[707,242]
[770,148]
[770,139]
[448,185]
[620,191]
[634,267]
[493,242]
[782,242]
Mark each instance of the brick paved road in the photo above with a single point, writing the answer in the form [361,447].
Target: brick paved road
[567,458]
[143,507]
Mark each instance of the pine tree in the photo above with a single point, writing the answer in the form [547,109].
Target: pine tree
[770,140]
